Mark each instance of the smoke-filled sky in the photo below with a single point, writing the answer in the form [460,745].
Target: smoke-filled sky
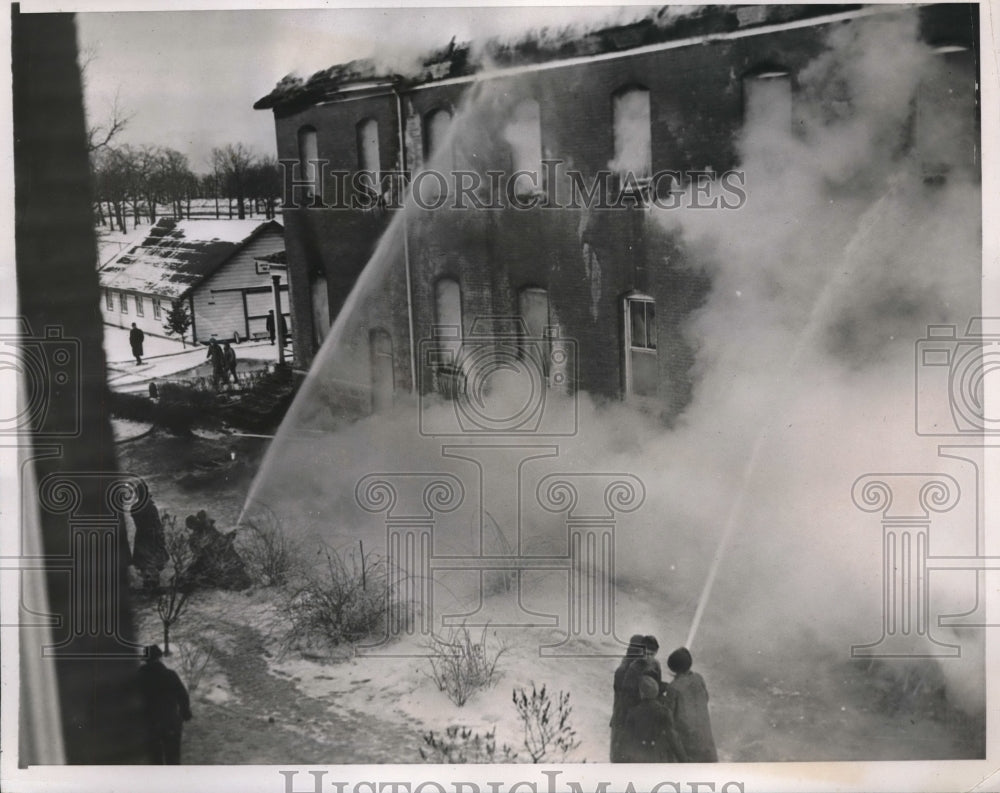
[189,78]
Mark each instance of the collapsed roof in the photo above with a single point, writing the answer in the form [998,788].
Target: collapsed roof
[669,23]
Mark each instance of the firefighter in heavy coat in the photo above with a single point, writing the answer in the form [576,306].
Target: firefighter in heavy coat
[623,700]
[149,552]
[229,359]
[167,707]
[650,736]
[691,709]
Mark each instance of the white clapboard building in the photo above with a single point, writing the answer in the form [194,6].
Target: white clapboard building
[219,268]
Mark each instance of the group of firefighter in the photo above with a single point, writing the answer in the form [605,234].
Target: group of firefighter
[653,721]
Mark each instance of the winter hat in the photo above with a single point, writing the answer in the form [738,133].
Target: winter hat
[650,643]
[153,652]
[635,646]
[648,689]
[679,660]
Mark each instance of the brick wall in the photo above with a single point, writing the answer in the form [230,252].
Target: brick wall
[587,260]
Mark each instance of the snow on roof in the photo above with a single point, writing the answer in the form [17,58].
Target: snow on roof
[177,255]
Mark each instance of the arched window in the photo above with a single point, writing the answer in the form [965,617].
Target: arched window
[767,100]
[308,157]
[383,377]
[436,126]
[448,336]
[369,162]
[632,133]
[641,366]
[533,306]
[524,134]
[448,305]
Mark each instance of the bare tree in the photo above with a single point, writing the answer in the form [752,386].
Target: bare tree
[100,135]
[266,184]
[173,597]
[113,181]
[234,161]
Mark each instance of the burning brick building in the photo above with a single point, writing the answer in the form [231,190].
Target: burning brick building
[549,157]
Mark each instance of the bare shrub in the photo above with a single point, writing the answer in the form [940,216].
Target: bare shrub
[193,662]
[343,601]
[270,556]
[461,666]
[462,745]
[548,736]
[172,599]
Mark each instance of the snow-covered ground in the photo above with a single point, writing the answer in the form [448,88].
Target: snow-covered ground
[166,358]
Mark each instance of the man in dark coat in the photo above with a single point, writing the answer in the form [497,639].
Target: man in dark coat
[269,323]
[646,665]
[215,562]
[135,340]
[649,733]
[229,358]
[167,707]
[149,554]
[216,356]
[283,330]
[623,700]
[690,709]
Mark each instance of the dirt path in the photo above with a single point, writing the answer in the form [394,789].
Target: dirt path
[268,720]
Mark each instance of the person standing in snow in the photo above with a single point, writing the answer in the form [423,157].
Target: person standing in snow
[269,324]
[215,355]
[622,701]
[135,340]
[167,707]
[149,552]
[690,709]
[649,732]
[283,330]
[229,359]
[645,665]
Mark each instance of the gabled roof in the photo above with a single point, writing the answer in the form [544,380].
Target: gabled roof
[177,255]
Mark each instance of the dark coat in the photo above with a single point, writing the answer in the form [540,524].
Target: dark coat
[150,545]
[626,697]
[269,324]
[215,562]
[215,356]
[691,717]
[650,736]
[167,705]
[649,667]
[135,339]
[619,709]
